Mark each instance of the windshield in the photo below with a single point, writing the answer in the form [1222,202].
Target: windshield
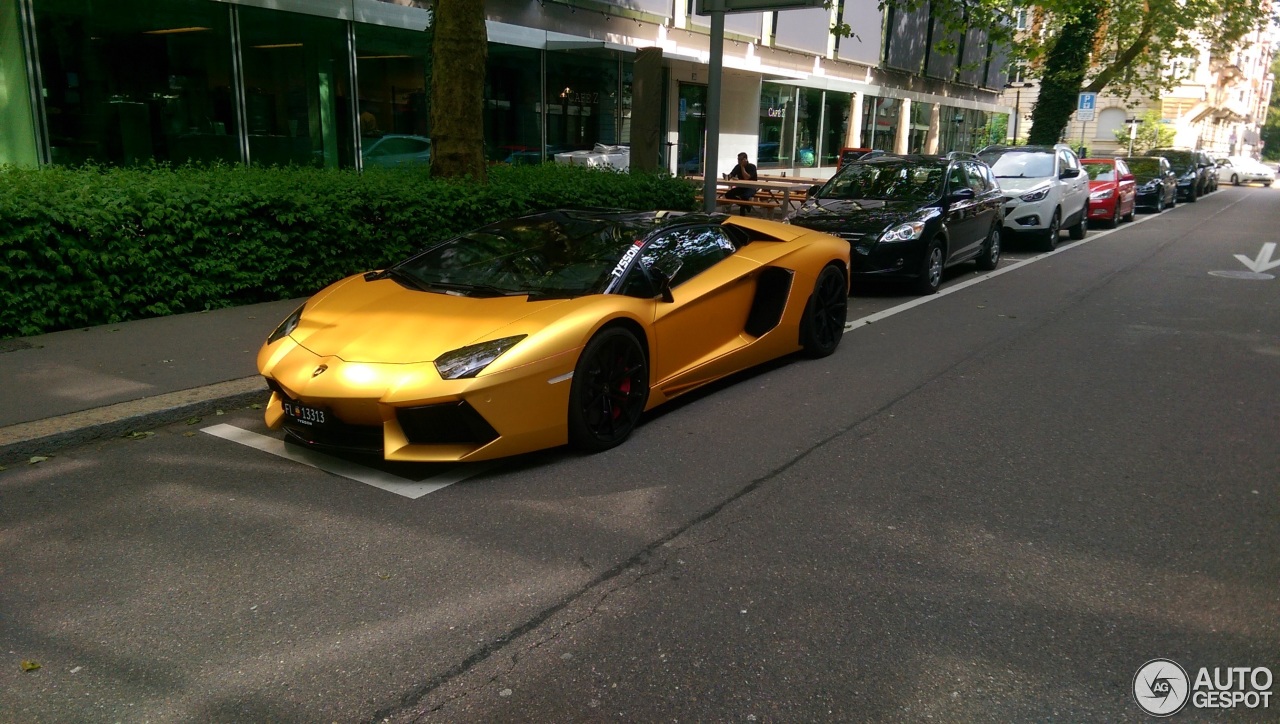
[1100,171]
[1020,164]
[559,255]
[1144,167]
[1179,159]
[886,181]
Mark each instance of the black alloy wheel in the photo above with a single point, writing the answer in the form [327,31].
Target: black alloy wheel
[1081,228]
[931,270]
[610,388]
[822,327]
[989,257]
[1050,240]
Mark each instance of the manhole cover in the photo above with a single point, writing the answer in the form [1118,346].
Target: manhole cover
[1242,275]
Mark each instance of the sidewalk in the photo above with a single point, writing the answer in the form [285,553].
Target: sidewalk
[70,387]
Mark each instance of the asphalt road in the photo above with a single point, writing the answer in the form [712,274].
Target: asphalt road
[996,505]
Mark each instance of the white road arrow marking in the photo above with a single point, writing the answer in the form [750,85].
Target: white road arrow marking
[1263,262]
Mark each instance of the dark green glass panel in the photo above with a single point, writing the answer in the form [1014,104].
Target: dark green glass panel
[135,81]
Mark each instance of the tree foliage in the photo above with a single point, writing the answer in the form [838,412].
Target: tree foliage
[1152,132]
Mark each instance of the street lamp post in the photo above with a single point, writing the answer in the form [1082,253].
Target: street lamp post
[1017,87]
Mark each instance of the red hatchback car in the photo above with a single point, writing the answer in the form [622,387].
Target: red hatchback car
[1112,193]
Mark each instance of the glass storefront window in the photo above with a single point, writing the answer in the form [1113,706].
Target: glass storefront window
[880,122]
[777,132]
[297,89]
[691,120]
[961,129]
[135,81]
[394,95]
[512,113]
[582,99]
[919,132]
[808,117]
[835,124]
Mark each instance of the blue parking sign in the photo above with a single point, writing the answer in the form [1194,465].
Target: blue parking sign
[1085,106]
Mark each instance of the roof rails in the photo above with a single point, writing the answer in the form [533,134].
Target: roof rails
[953,155]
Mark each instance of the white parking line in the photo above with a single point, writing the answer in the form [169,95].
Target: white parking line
[413,489]
[1093,236]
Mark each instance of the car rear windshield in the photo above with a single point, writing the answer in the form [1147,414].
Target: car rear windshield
[1020,164]
[1147,167]
[896,180]
[1100,171]
[552,255]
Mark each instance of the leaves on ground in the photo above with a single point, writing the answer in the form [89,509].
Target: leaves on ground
[140,435]
[255,406]
[188,434]
[29,665]
[219,412]
[194,420]
[37,459]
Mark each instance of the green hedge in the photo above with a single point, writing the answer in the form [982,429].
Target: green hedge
[88,246]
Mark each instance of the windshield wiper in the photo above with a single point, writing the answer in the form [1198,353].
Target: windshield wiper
[471,289]
[393,273]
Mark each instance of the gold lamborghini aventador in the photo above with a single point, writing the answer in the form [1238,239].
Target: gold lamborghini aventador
[559,327]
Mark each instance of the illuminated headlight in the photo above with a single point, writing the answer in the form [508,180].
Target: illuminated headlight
[1104,194]
[286,327]
[904,232]
[471,360]
[1037,195]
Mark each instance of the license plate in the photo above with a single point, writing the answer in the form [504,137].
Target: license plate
[304,414]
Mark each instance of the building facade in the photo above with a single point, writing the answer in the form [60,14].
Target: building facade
[346,83]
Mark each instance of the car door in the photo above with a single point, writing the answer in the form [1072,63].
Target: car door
[711,292]
[962,205]
[1075,191]
[1127,188]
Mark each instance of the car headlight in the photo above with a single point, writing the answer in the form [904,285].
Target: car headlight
[904,232]
[286,327]
[469,361]
[1104,194]
[1038,195]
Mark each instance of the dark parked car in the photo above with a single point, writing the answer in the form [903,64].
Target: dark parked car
[1195,170]
[1157,183]
[909,217]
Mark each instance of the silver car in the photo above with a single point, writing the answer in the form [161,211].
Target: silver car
[1238,170]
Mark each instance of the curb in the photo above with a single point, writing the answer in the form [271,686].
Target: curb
[21,441]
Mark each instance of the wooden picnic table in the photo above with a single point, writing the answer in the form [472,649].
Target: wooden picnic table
[776,196]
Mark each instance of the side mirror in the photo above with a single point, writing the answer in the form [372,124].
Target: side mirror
[808,194]
[1069,173]
[663,272]
[962,194]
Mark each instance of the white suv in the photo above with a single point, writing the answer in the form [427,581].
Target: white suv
[1045,190]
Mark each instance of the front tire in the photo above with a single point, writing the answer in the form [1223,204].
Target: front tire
[1235,180]
[609,392]
[989,258]
[822,327]
[1050,240]
[931,270]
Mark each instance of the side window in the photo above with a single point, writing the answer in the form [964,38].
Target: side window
[1068,160]
[683,253]
[956,178]
[1122,168]
[976,181]
[990,177]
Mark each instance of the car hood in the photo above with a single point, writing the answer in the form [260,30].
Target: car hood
[1018,184]
[864,215]
[1096,185]
[383,322]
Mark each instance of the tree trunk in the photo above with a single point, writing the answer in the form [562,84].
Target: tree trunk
[1064,71]
[457,90]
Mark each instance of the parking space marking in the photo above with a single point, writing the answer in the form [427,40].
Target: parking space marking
[1093,236]
[412,489]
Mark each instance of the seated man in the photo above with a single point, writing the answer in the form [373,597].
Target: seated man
[744,171]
